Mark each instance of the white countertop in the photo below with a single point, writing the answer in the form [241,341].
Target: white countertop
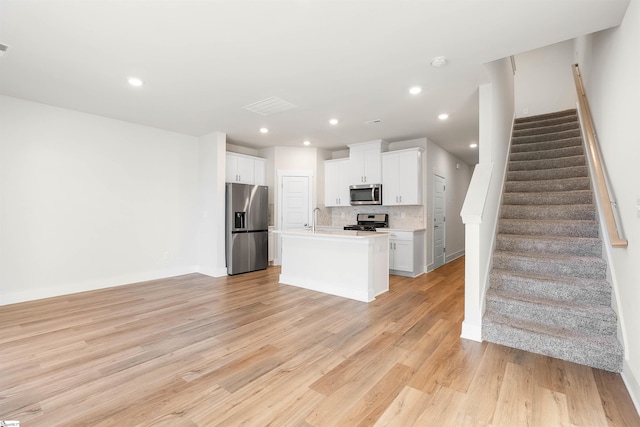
[331,233]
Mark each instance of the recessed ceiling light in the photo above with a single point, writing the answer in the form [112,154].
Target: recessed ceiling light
[264,130]
[474,145]
[135,81]
[443,116]
[306,142]
[439,61]
[415,90]
[333,121]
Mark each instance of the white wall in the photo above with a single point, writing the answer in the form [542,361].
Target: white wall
[442,163]
[480,211]
[613,89]
[544,80]
[90,202]
[298,159]
[211,191]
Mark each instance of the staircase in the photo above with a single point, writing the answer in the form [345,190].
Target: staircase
[548,289]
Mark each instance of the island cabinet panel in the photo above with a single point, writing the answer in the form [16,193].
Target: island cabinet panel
[366,162]
[245,169]
[350,264]
[406,253]
[336,182]
[402,177]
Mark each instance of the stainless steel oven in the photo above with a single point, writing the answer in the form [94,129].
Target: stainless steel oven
[367,194]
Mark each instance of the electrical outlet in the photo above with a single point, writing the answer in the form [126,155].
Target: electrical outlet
[525,111]
[166,255]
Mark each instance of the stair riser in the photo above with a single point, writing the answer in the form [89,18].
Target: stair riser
[548,185]
[588,269]
[546,154]
[540,146]
[598,358]
[545,315]
[588,247]
[541,130]
[581,212]
[564,162]
[578,197]
[550,289]
[545,137]
[547,174]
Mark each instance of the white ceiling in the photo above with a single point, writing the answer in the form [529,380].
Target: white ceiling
[202,61]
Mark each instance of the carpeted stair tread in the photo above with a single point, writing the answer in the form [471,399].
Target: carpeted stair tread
[548,174]
[592,318]
[553,153]
[548,290]
[548,185]
[546,164]
[547,116]
[578,246]
[597,351]
[579,197]
[540,130]
[549,227]
[541,123]
[552,287]
[527,139]
[551,264]
[542,212]
[547,145]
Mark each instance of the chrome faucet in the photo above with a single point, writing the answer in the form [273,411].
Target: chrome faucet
[313,223]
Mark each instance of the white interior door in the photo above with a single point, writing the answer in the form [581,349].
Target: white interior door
[294,205]
[295,202]
[439,227]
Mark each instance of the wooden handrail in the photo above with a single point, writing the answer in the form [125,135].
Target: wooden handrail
[598,169]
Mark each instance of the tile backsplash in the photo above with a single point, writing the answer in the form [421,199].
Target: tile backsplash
[399,216]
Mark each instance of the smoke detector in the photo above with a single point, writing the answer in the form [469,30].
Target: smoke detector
[439,61]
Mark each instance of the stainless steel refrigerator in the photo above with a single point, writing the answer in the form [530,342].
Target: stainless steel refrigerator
[247,238]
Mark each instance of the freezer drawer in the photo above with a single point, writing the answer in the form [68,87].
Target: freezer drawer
[247,251]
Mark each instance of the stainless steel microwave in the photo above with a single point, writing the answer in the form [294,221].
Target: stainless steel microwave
[366,194]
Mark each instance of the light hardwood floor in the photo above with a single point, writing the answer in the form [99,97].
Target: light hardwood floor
[244,350]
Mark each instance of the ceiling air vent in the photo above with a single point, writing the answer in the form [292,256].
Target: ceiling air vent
[3,49]
[373,122]
[270,106]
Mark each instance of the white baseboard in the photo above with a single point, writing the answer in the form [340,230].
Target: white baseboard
[471,332]
[212,272]
[447,259]
[455,255]
[73,288]
[633,384]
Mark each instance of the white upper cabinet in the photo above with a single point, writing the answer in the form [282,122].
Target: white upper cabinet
[366,162]
[402,177]
[245,169]
[336,182]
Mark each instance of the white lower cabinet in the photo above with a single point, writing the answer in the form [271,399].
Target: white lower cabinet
[406,253]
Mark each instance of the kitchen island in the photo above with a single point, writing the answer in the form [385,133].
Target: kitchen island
[350,264]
